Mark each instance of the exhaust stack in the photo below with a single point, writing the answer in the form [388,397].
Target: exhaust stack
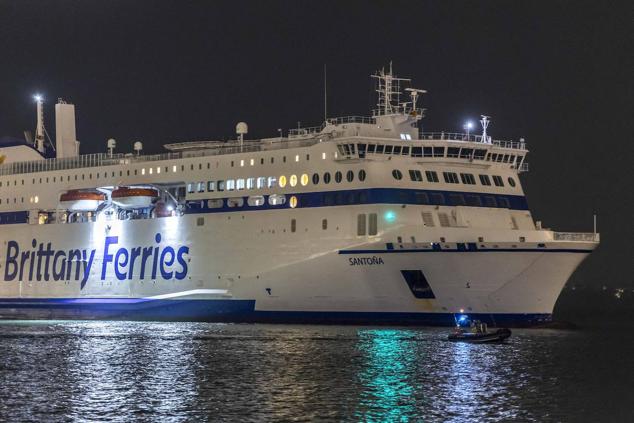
[66,142]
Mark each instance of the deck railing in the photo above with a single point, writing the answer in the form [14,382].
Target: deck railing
[456,136]
[576,236]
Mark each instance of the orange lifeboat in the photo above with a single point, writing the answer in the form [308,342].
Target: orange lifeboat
[81,200]
[134,198]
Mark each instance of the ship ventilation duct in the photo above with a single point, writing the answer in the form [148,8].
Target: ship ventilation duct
[66,142]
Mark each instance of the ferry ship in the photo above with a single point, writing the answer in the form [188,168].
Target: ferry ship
[358,220]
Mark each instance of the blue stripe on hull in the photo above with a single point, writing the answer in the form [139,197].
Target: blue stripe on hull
[237,311]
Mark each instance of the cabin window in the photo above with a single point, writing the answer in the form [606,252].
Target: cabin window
[293,225]
[362,175]
[361,224]
[211,186]
[431,176]
[297,157]
[326,178]
[215,203]
[201,187]
[497,180]
[511,181]
[293,180]
[262,160]
[283,159]
[240,184]
[415,175]
[349,176]
[323,156]
[231,184]
[190,188]
[315,178]
[200,221]
[485,180]
[277,199]
[251,162]
[467,178]
[250,183]
[303,180]
[235,202]
[450,177]
[438,199]
[372,224]
[282,181]
[489,201]
[221,185]
[255,200]
[397,174]
[307,157]
[261,182]
[338,177]
[272,181]
[324,224]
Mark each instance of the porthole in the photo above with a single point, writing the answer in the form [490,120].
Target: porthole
[511,181]
[349,176]
[282,181]
[304,180]
[326,178]
[338,177]
[293,180]
[292,202]
[397,174]
[315,178]
[362,175]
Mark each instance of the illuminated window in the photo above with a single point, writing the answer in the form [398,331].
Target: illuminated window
[293,202]
[235,202]
[293,180]
[261,182]
[190,188]
[297,157]
[272,181]
[231,184]
[151,171]
[282,181]
[174,168]
[255,200]
[250,183]
[241,163]
[143,171]
[252,162]
[201,187]
[277,199]
[158,170]
[304,180]
[323,156]
[240,184]
[211,186]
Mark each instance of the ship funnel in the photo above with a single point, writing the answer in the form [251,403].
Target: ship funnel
[66,143]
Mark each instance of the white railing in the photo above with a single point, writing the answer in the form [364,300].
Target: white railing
[456,136]
[102,159]
[576,236]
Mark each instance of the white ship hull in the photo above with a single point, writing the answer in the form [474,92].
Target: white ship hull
[239,269]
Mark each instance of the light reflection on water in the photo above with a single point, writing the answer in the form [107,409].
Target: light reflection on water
[122,371]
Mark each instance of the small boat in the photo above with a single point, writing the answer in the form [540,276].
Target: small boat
[134,197]
[76,200]
[480,337]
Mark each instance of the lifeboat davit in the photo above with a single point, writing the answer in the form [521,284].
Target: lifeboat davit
[134,198]
[78,201]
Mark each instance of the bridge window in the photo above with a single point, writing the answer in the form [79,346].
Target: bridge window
[388,149]
[397,174]
[479,154]
[485,180]
[431,176]
[397,149]
[417,151]
[371,148]
[453,151]
[450,177]
[439,151]
[405,151]
[415,175]
[379,149]
[467,178]
[465,153]
[497,180]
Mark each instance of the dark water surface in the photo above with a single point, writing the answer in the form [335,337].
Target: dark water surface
[123,371]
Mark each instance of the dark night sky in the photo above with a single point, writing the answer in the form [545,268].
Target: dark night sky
[556,73]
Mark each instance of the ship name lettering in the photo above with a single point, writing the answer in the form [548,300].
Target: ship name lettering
[365,261]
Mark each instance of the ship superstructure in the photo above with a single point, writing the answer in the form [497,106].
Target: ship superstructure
[360,219]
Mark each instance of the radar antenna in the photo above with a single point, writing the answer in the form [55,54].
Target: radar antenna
[389,90]
[485,124]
